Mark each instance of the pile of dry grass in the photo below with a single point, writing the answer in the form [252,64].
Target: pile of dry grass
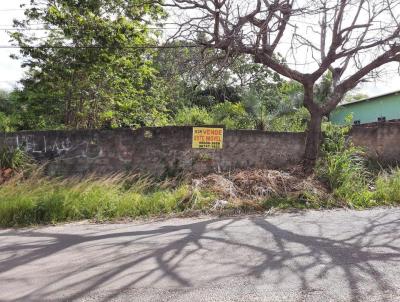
[260,184]
[5,174]
[217,183]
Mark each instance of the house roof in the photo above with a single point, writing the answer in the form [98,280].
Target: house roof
[396,92]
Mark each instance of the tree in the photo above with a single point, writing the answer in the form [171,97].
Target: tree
[88,67]
[355,96]
[194,77]
[350,39]
[10,111]
[4,101]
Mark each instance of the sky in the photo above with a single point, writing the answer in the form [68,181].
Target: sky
[11,71]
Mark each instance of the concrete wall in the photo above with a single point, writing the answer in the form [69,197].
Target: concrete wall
[381,140]
[168,150]
[158,151]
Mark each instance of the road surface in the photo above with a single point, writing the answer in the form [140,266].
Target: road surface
[336,255]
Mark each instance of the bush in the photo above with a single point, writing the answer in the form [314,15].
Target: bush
[290,122]
[344,167]
[193,116]
[341,167]
[14,159]
[5,123]
[232,116]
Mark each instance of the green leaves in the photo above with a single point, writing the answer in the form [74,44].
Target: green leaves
[90,64]
[232,116]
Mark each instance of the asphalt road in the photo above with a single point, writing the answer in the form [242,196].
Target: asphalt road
[315,256]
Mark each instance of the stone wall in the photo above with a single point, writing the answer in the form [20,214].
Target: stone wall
[157,151]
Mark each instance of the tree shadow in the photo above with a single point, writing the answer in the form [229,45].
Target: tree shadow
[171,255]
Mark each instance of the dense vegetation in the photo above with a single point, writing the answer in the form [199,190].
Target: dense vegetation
[93,66]
[229,103]
[90,68]
[35,199]
[343,178]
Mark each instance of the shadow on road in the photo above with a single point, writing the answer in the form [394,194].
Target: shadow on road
[171,250]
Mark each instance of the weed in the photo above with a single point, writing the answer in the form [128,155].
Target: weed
[14,159]
[38,200]
[343,167]
[388,186]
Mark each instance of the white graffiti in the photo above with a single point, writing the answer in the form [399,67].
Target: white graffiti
[30,145]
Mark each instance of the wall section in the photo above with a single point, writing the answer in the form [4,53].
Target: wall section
[381,141]
[168,150]
[157,151]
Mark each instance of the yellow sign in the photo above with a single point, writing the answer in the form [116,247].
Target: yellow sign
[207,138]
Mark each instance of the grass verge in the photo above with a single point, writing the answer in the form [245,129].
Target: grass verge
[37,199]
[42,200]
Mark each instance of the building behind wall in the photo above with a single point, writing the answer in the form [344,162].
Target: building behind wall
[380,108]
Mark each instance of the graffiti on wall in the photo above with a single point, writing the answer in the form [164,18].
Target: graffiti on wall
[39,145]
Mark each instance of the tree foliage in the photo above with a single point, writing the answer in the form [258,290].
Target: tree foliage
[89,69]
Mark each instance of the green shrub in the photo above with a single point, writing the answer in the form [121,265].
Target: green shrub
[232,116]
[289,122]
[193,116]
[343,167]
[15,159]
[5,123]
[339,168]
[335,137]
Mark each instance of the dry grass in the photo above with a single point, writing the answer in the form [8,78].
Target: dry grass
[37,199]
[260,184]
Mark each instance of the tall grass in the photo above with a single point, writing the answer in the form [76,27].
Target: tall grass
[39,200]
[388,187]
[14,159]
[343,167]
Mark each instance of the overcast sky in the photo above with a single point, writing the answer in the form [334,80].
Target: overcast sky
[11,72]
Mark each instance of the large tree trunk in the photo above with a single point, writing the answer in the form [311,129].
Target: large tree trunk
[313,141]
